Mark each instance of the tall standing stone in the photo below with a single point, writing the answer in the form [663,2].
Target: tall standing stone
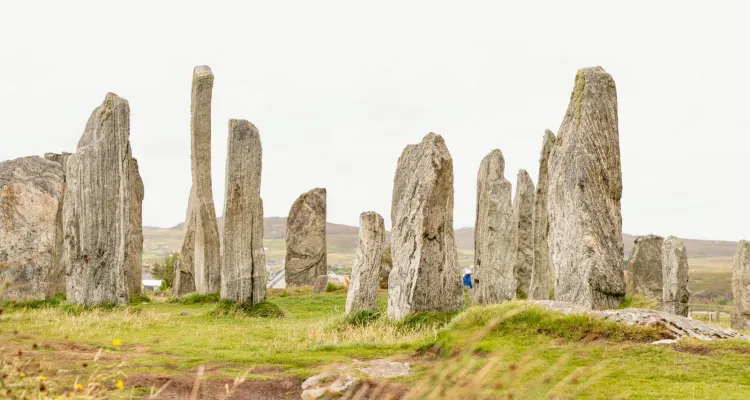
[31,198]
[425,274]
[306,254]
[495,235]
[202,236]
[523,209]
[184,278]
[102,225]
[365,279]
[644,267]
[585,187]
[542,273]
[675,294]
[243,271]
[741,287]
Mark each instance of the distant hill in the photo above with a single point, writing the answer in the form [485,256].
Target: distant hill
[344,238]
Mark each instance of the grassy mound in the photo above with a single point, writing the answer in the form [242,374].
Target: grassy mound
[195,298]
[265,309]
[56,301]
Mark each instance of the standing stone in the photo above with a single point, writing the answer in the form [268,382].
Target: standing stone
[495,236]
[523,209]
[243,271]
[741,287]
[644,267]
[320,284]
[675,294]
[425,274]
[202,236]
[306,255]
[184,279]
[365,279]
[585,187]
[542,273]
[103,240]
[31,198]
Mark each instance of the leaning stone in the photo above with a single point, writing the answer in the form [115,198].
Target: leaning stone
[585,187]
[319,286]
[31,198]
[675,294]
[542,283]
[644,267]
[101,223]
[306,255]
[425,274]
[523,209]
[740,318]
[363,288]
[495,236]
[243,271]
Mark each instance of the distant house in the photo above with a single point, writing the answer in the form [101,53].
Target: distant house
[150,285]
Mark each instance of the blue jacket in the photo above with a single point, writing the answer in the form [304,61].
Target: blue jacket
[467,281]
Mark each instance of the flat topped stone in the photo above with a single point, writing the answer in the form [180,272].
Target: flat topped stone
[741,287]
[306,254]
[365,277]
[675,294]
[644,267]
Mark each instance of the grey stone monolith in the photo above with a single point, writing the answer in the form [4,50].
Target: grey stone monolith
[523,209]
[740,318]
[644,267]
[306,253]
[675,294]
[542,283]
[365,278]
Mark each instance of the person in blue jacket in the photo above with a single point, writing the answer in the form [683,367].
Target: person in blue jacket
[467,278]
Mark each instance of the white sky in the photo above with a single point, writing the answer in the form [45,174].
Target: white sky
[337,89]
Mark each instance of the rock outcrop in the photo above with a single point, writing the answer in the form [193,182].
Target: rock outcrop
[200,225]
[425,274]
[523,209]
[365,279]
[542,273]
[306,254]
[31,197]
[585,187]
[741,287]
[495,235]
[243,271]
[644,267]
[675,294]
[101,212]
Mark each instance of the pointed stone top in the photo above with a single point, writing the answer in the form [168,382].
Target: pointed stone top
[523,175]
[242,129]
[202,71]
[548,133]
[496,160]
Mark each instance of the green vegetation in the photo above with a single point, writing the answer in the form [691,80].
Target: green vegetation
[164,270]
[335,287]
[514,348]
[195,298]
[638,301]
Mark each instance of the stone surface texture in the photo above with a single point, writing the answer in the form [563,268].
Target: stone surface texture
[523,209]
[678,325]
[495,235]
[425,274]
[319,286]
[741,287]
[243,271]
[31,197]
[542,283]
[306,254]
[101,212]
[644,271]
[184,278]
[365,278]
[202,236]
[675,294]
[585,187]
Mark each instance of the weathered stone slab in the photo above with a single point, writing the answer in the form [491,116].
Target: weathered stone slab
[306,254]
[101,223]
[31,197]
[243,273]
[585,187]
[675,294]
[741,287]
[495,235]
[201,229]
[542,274]
[184,278]
[644,267]
[320,284]
[365,278]
[425,274]
[523,209]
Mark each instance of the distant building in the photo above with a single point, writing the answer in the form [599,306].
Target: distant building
[151,285]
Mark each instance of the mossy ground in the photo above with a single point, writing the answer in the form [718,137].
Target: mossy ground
[516,349]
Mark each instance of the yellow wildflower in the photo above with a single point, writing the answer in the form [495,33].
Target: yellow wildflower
[120,384]
[79,386]
[42,378]
[117,342]
[22,375]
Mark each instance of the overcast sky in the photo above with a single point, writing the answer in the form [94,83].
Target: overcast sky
[337,89]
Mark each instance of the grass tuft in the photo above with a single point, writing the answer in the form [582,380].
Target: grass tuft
[335,287]
[53,302]
[426,320]
[290,291]
[140,299]
[195,298]
[362,318]
[265,309]
[638,300]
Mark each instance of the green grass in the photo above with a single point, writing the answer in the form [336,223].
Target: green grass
[638,300]
[522,343]
[195,298]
